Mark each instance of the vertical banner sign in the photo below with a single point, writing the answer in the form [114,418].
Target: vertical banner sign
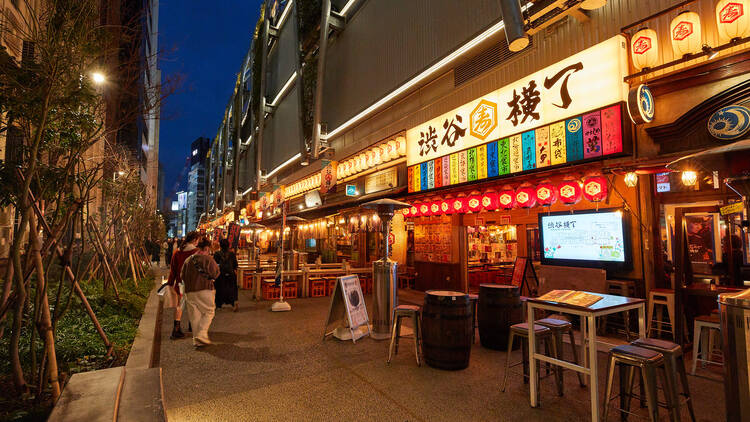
[423,177]
[454,169]
[516,154]
[557,143]
[328,176]
[417,178]
[611,130]
[542,147]
[482,162]
[430,174]
[446,170]
[529,150]
[463,167]
[438,172]
[410,178]
[233,235]
[492,164]
[471,164]
[574,139]
[592,135]
[503,156]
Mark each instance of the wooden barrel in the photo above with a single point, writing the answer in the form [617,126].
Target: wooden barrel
[499,308]
[446,329]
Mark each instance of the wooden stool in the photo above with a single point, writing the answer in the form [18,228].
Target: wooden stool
[675,365]
[622,288]
[705,346]
[405,311]
[290,289]
[663,298]
[559,328]
[317,287]
[474,300]
[522,331]
[628,358]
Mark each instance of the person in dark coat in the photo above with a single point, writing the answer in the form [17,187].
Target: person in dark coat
[169,252]
[226,283]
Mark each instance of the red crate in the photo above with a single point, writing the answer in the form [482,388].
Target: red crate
[317,287]
[366,284]
[271,292]
[290,289]
[247,280]
[331,284]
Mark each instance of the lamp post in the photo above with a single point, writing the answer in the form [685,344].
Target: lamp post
[384,289]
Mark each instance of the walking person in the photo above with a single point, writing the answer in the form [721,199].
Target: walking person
[169,251]
[188,248]
[198,273]
[226,283]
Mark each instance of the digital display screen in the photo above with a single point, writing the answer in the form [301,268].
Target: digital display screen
[584,239]
[310,243]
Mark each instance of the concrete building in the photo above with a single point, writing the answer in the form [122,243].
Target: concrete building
[196,185]
[151,99]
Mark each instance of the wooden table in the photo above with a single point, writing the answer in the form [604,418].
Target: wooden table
[607,305]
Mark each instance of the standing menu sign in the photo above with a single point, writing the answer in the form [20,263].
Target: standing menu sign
[348,301]
[520,274]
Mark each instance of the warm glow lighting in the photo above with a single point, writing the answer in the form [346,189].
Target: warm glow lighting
[689,178]
[644,48]
[284,164]
[284,14]
[685,34]
[733,19]
[284,88]
[631,179]
[593,4]
[98,78]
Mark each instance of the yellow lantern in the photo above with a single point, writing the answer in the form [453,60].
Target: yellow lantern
[377,155]
[733,19]
[357,165]
[363,161]
[370,158]
[393,149]
[384,153]
[689,177]
[685,34]
[644,49]
[631,179]
[401,146]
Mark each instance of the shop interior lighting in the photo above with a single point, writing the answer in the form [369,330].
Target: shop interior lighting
[284,89]
[494,29]
[689,177]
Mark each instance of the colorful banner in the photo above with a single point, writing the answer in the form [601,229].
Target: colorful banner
[516,154]
[446,170]
[611,130]
[471,164]
[503,156]
[492,162]
[557,143]
[592,135]
[430,174]
[328,176]
[417,177]
[542,147]
[454,169]
[463,167]
[528,142]
[482,162]
[438,172]
[574,139]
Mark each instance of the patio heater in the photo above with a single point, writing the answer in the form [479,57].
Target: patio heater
[384,290]
[287,260]
[255,250]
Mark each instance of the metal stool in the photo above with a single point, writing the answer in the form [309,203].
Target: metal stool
[675,364]
[541,333]
[474,300]
[559,328]
[619,288]
[628,357]
[705,346]
[405,311]
[663,298]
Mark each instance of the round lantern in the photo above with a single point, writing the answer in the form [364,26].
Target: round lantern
[474,202]
[490,201]
[401,143]
[385,153]
[370,158]
[506,198]
[546,193]
[460,205]
[424,209]
[413,211]
[733,19]
[393,149]
[445,207]
[595,188]
[569,191]
[377,155]
[435,208]
[526,195]
[363,162]
[644,49]
[406,211]
[685,34]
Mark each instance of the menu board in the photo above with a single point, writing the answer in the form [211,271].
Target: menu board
[432,242]
[592,237]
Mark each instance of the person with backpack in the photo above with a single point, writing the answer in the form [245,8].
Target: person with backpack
[199,272]
[226,283]
[187,249]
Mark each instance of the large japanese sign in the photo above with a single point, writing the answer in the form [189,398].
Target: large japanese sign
[566,112]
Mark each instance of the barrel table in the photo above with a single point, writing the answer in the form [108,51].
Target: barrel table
[499,308]
[447,324]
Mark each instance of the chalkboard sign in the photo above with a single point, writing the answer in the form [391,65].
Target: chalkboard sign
[348,302]
[521,275]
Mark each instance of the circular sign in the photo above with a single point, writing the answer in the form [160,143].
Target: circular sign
[641,106]
[574,125]
[730,122]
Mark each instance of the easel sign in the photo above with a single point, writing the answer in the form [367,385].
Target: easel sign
[348,300]
[522,278]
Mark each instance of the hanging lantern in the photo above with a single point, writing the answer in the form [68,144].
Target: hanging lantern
[385,153]
[570,191]
[435,208]
[526,195]
[732,19]
[689,177]
[490,201]
[413,211]
[401,142]
[595,188]
[631,179]
[445,207]
[393,149]
[460,204]
[474,202]
[546,193]
[644,49]
[377,155]
[406,211]
[685,33]
[424,209]
[370,158]
[507,197]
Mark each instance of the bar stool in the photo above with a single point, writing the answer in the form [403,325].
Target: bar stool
[663,298]
[522,331]
[705,346]
[627,358]
[559,328]
[474,300]
[405,311]
[675,365]
[623,288]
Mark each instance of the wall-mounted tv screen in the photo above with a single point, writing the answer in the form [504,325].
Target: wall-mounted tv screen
[599,239]
[310,243]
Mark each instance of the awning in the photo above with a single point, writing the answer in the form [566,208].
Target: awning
[734,158]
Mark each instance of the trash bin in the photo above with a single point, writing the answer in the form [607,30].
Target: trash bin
[735,331]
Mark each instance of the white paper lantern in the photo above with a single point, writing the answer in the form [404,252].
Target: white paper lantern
[393,149]
[385,155]
[377,155]
[685,34]
[401,141]
[370,158]
[644,48]
[733,19]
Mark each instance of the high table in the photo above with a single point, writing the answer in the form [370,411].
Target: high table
[607,305]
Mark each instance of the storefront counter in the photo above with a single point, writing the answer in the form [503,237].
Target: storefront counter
[437,276]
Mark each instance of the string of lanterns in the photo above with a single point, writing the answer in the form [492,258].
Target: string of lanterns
[379,154]
[569,191]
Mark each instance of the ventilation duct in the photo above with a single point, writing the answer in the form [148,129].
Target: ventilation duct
[514,28]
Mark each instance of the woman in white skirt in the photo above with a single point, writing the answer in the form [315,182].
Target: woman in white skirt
[198,273]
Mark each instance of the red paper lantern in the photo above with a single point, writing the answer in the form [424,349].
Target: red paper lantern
[526,195]
[507,198]
[414,211]
[435,208]
[546,193]
[445,207]
[570,191]
[460,205]
[490,201]
[595,188]
[424,209]
[474,202]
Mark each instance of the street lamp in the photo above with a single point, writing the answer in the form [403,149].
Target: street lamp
[98,78]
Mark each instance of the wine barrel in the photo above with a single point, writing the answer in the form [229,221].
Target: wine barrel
[499,308]
[447,323]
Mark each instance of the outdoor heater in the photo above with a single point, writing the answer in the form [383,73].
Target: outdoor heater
[385,292]
[255,251]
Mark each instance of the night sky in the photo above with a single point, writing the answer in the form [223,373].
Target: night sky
[203,44]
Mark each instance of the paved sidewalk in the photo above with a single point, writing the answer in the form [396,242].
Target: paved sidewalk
[274,367]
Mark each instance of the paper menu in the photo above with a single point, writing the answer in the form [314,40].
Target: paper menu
[571,297]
